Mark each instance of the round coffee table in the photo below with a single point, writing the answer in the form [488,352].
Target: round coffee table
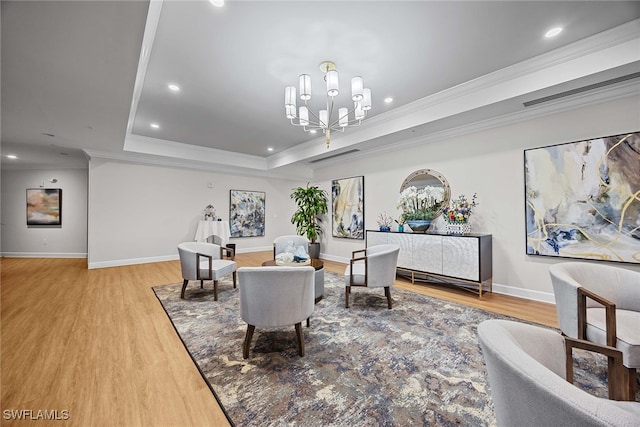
[315,263]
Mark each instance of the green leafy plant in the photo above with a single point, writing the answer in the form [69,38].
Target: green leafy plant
[312,202]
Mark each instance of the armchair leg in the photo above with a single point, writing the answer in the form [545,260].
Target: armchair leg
[347,291]
[247,341]
[201,284]
[234,279]
[184,286]
[215,290]
[308,323]
[300,338]
[387,292]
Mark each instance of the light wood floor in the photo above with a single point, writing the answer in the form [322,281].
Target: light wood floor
[98,344]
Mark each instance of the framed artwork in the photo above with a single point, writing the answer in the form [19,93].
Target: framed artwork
[44,206]
[582,199]
[347,198]
[246,213]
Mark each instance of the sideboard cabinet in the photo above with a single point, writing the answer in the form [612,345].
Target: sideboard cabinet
[464,260]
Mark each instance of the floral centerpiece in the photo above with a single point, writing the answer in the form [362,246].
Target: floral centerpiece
[420,205]
[384,222]
[457,214]
[209,212]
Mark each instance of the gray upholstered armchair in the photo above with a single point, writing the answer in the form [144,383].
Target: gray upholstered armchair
[280,243]
[601,304]
[203,261]
[275,297]
[373,267]
[526,367]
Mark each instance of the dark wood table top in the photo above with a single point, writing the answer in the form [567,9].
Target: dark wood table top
[315,263]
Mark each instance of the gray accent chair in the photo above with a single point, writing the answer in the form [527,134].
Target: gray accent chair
[203,261]
[273,297]
[373,267]
[601,304]
[526,368]
[280,243]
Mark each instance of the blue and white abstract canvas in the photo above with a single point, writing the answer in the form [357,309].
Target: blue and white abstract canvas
[246,213]
[582,199]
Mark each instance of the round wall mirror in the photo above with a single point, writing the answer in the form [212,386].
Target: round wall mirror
[428,177]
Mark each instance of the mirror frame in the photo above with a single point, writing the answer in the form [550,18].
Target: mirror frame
[435,174]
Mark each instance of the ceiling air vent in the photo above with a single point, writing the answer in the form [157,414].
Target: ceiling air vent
[582,89]
[334,156]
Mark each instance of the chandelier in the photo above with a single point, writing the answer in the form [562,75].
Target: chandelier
[325,119]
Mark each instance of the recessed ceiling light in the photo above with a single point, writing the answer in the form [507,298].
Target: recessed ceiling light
[312,131]
[173,87]
[388,100]
[217,3]
[269,148]
[553,32]
[155,125]
[12,156]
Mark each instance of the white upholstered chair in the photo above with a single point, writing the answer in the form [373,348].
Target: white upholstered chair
[217,240]
[373,267]
[274,297]
[601,303]
[526,367]
[203,261]
[280,243]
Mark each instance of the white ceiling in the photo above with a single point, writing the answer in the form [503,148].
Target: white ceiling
[94,74]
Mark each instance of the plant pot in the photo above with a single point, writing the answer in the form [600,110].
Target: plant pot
[314,250]
[385,228]
[457,228]
[419,226]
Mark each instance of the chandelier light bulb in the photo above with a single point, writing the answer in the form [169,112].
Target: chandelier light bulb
[332,83]
[305,87]
[290,96]
[356,88]
[290,111]
[343,117]
[304,116]
[366,100]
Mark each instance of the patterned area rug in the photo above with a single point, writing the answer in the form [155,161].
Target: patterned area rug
[419,363]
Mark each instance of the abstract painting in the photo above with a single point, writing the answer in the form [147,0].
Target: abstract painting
[347,195]
[246,213]
[582,199]
[44,206]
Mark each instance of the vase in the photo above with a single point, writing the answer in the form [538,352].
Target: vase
[400,228]
[419,225]
[457,228]
[382,228]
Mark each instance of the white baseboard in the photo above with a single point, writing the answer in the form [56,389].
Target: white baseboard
[132,261]
[146,260]
[43,255]
[524,293]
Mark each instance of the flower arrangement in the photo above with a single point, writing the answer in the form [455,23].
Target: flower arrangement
[420,204]
[209,212]
[384,221]
[460,209]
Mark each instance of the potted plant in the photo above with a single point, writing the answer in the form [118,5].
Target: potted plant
[420,205]
[311,202]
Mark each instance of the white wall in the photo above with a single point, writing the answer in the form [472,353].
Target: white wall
[490,163]
[66,241]
[139,213]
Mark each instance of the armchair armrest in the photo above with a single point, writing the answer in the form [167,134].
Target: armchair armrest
[231,253]
[355,259]
[198,255]
[615,373]
[610,315]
